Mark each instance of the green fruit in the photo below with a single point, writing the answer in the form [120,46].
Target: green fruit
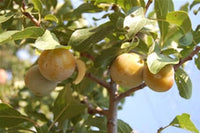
[39,85]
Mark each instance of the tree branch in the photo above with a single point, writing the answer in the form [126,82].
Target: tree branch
[129,92]
[92,110]
[189,57]
[28,15]
[99,81]
[148,4]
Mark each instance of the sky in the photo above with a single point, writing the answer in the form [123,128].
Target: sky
[147,110]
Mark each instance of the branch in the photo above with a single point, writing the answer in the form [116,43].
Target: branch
[148,4]
[99,81]
[189,57]
[28,15]
[92,110]
[129,92]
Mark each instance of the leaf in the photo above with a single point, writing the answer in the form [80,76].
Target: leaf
[6,17]
[124,4]
[30,32]
[184,83]
[162,7]
[195,2]
[183,121]
[197,61]
[186,40]
[48,41]
[156,62]
[51,17]
[135,21]
[9,117]
[123,127]
[82,39]
[107,56]
[96,121]
[65,107]
[181,19]
[38,5]
[7,36]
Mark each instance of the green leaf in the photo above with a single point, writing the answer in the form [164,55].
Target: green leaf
[6,17]
[7,36]
[186,40]
[10,117]
[51,17]
[107,56]
[30,32]
[183,121]
[184,83]
[181,19]
[65,107]
[195,2]
[38,5]
[156,62]
[48,41]
[96,121]
[83,39]
[197,61]
[135,21]
[123,127]
[162,7]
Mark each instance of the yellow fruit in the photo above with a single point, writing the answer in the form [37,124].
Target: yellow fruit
[39,85]
[160,82]
[127,69]
[56,65]
[81,71]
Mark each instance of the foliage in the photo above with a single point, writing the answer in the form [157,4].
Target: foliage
[162,37]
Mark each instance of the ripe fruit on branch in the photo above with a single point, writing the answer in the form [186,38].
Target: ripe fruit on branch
[81,71]
[160,82]
[126,70]
[56,65]
[39,85]
[3,76]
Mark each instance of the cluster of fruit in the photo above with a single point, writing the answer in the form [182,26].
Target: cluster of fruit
[53,67]
[129,70]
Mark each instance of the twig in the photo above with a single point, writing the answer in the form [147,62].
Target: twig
[148,4]
[129,92]
[28,15]
[162,128]
[92,110]
[182,61]
[99,81]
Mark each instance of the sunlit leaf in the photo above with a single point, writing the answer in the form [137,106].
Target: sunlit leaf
[38,5]
[156,62]
[135,21]
[181,19]
[51,17]
[183,121]
[186,40]
[48,41]
[184,83]
[7,36]
[197,61]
